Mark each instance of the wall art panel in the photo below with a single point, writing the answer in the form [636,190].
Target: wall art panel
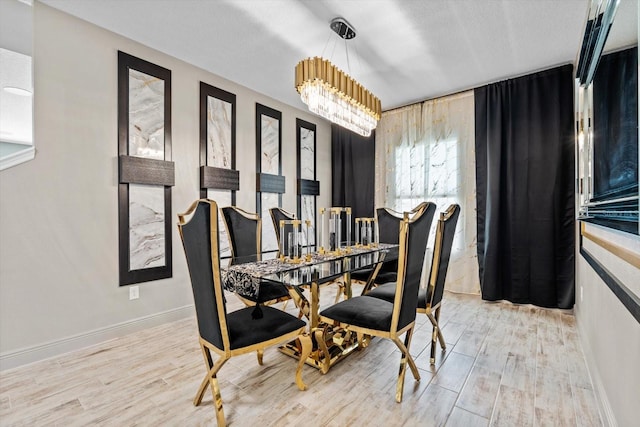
[308,187]
[146,172]
[270,183]
[219,180]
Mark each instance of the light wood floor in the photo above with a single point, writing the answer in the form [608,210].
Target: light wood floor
[505,365]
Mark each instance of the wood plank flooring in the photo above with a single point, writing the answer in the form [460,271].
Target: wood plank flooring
[505,365]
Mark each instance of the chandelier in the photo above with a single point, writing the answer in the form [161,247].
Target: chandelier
[333,94]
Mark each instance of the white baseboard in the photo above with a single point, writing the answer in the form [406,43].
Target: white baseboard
[14,359]
[608,418]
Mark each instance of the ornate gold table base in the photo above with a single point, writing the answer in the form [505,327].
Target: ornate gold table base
[330,345]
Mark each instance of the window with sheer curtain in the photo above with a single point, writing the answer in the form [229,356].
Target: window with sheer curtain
[425,152]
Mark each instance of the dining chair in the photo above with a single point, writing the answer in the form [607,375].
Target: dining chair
[227,334]
[388,232]
[430,298]
[277,215]
[245,230]
[366,315]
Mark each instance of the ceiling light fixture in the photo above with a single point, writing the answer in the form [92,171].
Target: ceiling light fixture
[333,94]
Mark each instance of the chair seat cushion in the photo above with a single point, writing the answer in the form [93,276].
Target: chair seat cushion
[244,330]
[388,291]
[363,311]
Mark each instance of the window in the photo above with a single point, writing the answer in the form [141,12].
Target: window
[427,170]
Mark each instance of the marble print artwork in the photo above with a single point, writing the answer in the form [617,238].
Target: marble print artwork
[269,240]
[223,199]
[146,226]
[308,206]
[270,145]
[218,133]
[146,115]
[307,154]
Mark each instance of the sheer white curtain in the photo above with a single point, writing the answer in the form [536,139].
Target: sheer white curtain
[426,152]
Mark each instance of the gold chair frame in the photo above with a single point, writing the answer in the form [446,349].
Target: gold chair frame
[393,333]
[226,352]
[433,310]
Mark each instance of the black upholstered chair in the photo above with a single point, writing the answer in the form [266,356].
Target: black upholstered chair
[222,333]
[277,215]
[245,230]
[389,231]
[366,315]
[429,299]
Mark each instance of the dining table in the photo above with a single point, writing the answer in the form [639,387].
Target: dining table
[246,275]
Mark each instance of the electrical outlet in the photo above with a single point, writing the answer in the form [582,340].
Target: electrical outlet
[134,292]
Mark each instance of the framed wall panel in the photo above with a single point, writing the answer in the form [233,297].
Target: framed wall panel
[146,172]
[308,187]
[270,184]
[219,179]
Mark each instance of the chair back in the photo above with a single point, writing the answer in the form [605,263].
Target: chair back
[442,253]
[389,222]
[414,234]
[388,225]
[200,241]
[244,231]
[277,215]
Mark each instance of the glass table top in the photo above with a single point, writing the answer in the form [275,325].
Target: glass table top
[244,274]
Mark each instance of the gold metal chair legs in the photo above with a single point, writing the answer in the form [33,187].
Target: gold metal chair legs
[406,359]
[211,379]
[436,335]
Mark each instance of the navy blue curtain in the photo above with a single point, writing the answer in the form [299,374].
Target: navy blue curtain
[353,171]
[525,188]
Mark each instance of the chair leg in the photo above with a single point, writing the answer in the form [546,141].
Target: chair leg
[406,358]
[212,379]
[436,335]
[208,361]
[440,336]
[306,344]
[260,354]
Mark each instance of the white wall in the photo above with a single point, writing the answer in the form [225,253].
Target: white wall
[610,335]
[59,213]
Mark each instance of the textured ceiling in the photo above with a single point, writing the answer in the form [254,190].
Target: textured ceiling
[404,51]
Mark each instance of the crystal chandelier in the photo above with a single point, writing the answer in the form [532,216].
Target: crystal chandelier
[333,94]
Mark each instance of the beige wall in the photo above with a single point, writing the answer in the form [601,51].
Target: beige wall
[58,217]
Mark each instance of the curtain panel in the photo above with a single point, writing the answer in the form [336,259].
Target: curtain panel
[524,139]
[352,171]
[425,152]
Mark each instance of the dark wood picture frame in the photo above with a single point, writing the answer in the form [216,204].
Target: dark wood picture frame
[267,182]
[140,170]
[306,187]
[216,177]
